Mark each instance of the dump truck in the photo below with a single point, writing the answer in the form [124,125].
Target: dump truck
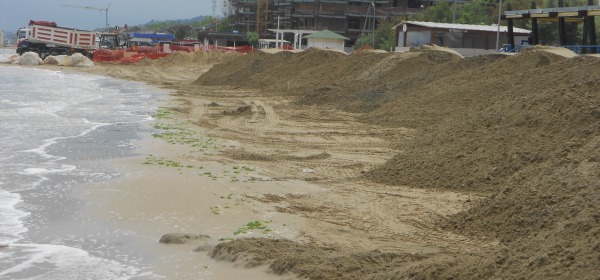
[46,38]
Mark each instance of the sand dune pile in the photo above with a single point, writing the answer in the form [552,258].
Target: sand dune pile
[522,130]
[266,70]
[176,68]
[194,58]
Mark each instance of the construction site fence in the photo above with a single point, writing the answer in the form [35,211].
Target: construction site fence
[241,49]
[137,53]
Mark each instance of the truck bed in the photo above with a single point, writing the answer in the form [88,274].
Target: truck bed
[64,37]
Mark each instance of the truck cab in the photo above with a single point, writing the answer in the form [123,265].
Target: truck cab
[23,34]
[112,41]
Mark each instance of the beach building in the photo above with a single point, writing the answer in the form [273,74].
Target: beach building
[224,39]
[326,39]
[152,37]
[467,39]
[1,39]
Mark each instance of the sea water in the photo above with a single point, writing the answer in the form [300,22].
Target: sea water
[55,128]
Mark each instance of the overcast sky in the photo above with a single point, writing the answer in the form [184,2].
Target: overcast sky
[17,13]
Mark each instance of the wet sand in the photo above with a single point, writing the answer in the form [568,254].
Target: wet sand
[202,196]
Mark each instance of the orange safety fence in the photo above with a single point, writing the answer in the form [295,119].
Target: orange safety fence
[137,53]
[241,49]
[182,48]
[137,57]
[108,55]
[142,49]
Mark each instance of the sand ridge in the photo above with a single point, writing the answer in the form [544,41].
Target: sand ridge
[519,130]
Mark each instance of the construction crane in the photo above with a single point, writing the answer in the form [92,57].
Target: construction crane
[262,16]
[93,8]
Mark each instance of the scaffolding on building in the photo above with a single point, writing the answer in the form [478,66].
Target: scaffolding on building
[262,16]
[345,17]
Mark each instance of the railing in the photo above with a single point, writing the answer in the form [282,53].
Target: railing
[509,48]
[583,49]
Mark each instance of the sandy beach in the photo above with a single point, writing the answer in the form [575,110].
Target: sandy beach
[237,156]
[265,162]
[277,166]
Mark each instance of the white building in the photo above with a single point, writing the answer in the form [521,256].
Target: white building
[467,39]
[326,39]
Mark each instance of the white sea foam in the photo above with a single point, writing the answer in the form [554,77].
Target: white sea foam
[41,171]
[63,262]
[11,225]
[42,113]
[41,150]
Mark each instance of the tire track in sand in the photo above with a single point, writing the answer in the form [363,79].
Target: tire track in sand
[199,108]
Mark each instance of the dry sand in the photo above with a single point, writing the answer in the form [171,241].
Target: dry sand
[374,166]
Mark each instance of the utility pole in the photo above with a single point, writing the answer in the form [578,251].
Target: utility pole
[373,4]
[370,21]
[94,8]
[214,9]
[454,12]
[498,32]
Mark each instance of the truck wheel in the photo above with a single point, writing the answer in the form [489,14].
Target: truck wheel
[54,53]
[64,53]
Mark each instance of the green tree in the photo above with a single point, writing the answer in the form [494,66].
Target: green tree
[252,37]
[476,12]
[180,31]
[225,24]
[440,12]
[362,40]
[385,36]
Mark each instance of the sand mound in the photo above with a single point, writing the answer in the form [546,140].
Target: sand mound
[194,58]
[564,52]
[526,136]
[523,130]
[324,76]
[145,62]
[213,57]
[176,58]
[272,50]
[260,69]
[437,48]
[177,68]
[312,262]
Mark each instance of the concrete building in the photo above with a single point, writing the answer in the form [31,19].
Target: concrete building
[467,39]
[326,39]
[350,18]
[1,39]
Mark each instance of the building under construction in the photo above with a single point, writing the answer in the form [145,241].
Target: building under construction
[349,18]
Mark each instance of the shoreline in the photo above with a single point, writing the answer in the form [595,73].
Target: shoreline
[198,197]
[298,151]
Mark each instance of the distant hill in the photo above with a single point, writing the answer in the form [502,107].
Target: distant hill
[178,21]
[165,25]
